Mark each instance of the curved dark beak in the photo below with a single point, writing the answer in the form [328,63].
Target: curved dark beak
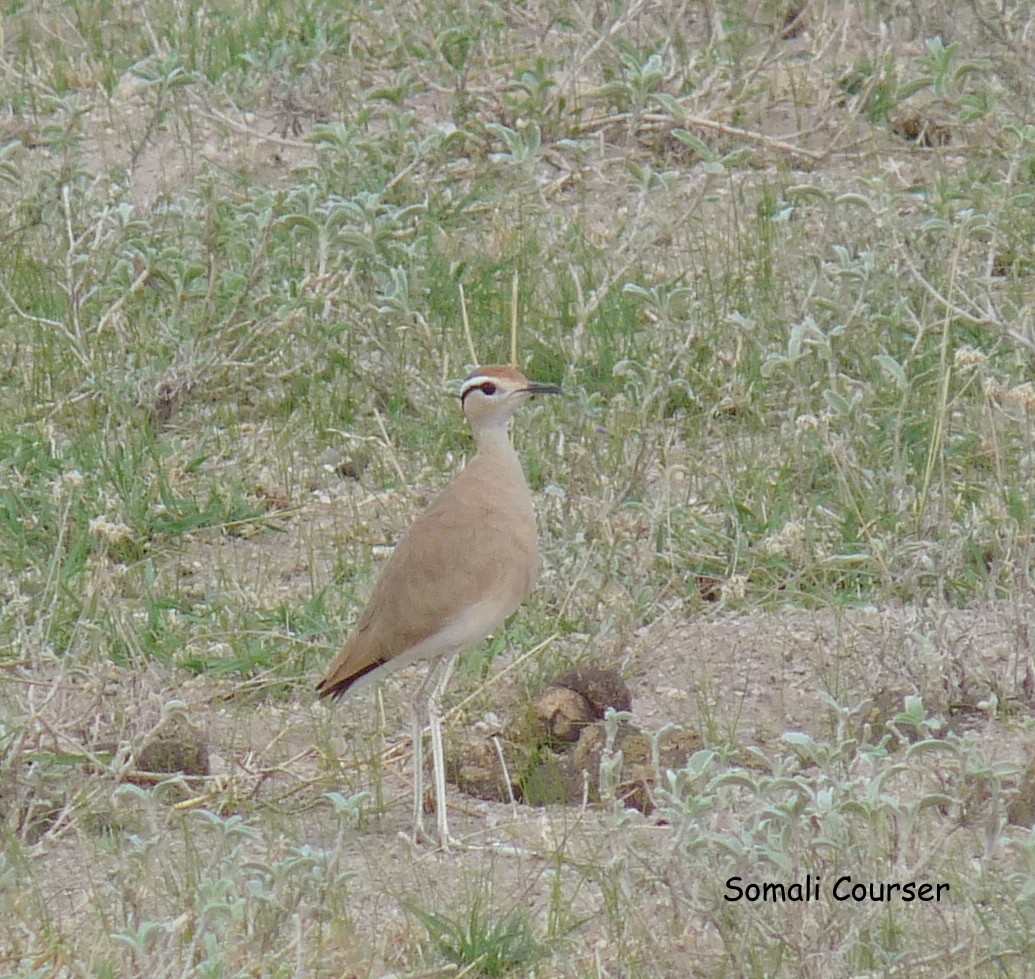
[535,387]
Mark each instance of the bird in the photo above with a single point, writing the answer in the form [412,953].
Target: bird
[459,570]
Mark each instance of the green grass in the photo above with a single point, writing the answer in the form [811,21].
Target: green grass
[493,948]
[787,285]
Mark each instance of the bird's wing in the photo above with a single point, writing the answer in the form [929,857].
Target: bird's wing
[453,559]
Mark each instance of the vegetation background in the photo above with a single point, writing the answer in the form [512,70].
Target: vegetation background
[781,255]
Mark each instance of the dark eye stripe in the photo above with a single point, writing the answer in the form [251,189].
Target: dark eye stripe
[479,384]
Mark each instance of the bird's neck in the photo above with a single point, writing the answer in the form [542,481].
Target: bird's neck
[494,440]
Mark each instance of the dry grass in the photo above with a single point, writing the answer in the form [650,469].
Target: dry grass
[779,255]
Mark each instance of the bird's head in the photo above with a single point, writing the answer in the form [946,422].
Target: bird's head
[490,395]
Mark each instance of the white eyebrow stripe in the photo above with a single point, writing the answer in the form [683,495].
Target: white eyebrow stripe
[475,382]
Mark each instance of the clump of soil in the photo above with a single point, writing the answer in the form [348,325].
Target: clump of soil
[555,748]
[175,747]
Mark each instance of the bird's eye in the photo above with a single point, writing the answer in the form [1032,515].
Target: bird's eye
[488,387]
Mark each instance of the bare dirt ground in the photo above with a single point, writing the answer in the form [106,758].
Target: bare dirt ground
[728,677]
[744,678]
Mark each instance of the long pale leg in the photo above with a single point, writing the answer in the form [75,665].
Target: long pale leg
[420,717]
[438,758]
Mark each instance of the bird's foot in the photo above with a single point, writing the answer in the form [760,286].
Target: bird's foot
[423,840]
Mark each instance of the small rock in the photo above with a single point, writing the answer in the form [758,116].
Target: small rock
[601,689]
[563,713]
[176,747]
[638,771]
[476,770]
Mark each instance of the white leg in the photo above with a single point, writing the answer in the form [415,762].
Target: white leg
[421,703]
[438,759]
[418,773]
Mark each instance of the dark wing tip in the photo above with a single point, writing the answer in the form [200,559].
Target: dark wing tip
[333,691]
[338,688]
